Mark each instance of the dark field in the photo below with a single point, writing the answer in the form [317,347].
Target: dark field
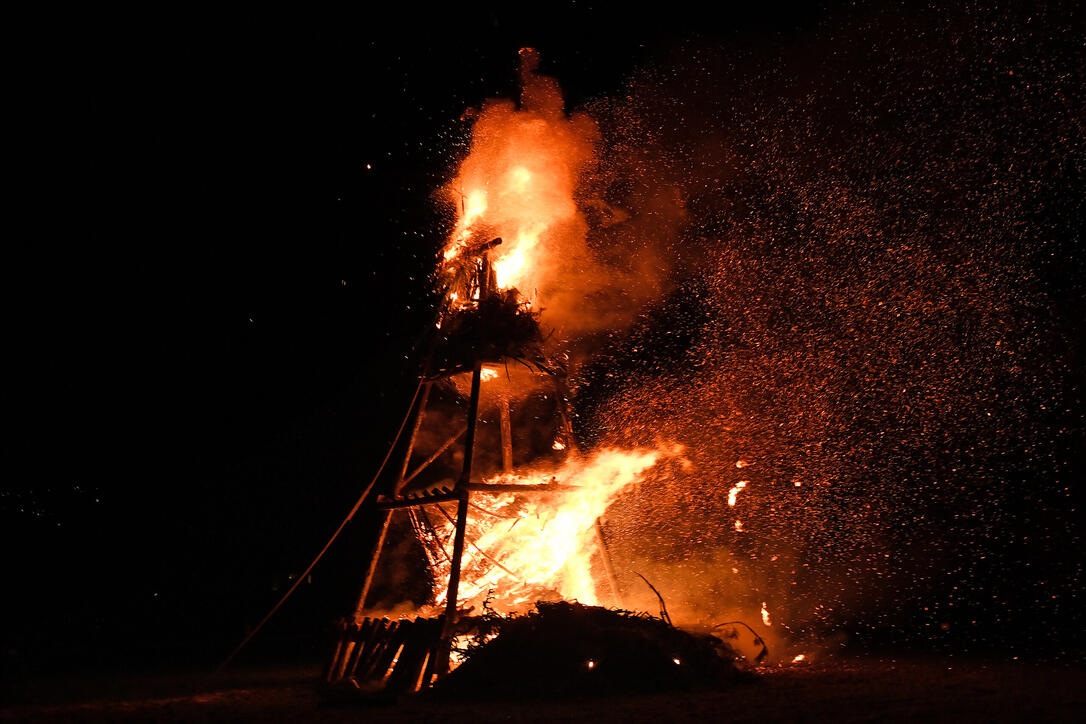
[847,690]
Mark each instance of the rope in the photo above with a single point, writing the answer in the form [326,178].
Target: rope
[357,505]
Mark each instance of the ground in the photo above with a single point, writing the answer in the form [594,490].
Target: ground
[850,690]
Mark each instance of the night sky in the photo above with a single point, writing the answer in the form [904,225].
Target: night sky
[214,331]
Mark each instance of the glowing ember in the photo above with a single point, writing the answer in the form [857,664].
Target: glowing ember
[734,492]
[799,658]
[486,373]
[871,364]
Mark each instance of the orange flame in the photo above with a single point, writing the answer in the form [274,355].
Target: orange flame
[524,546]
[518,183]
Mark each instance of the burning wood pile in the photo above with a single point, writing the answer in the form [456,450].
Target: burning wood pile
[513,520]
[568,649]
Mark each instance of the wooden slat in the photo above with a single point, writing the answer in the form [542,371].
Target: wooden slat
[333,663]
[361,638]
[385,663]
[373,640]
[413,658]
[397,503]
[345,656]
[402,655]
[433,649]
[381,657]
[377,640]
[432,661]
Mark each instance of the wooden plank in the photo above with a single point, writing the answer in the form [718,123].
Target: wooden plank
[376,644]
[402,662]
[333,663]
[387,661]
[417,684]
[395,504]
[348,648]
[431,669]
[361,638]
[385,652]
[414,656]
[433,647]
[373,638]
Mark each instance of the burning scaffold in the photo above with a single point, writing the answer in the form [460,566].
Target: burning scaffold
[528,527]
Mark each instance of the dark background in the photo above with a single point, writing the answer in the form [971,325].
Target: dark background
[212,338]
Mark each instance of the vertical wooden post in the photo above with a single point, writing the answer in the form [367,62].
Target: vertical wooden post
[476,388]
[462,504]
[454,574]
[462,491]
[507,435]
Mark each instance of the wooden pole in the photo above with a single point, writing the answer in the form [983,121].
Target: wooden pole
[371,568]
[400,481]
[386,516]
[457,558]
[476,388]
[605,555]
[507,435]
[463,494]
[437,453]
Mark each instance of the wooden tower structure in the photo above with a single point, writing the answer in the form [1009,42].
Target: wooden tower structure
[478,325]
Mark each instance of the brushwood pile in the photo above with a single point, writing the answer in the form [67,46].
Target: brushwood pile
[569,649]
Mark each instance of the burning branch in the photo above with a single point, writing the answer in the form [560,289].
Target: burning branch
[663,606]
[758,640]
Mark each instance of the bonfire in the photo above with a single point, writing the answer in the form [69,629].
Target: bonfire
[513,524]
